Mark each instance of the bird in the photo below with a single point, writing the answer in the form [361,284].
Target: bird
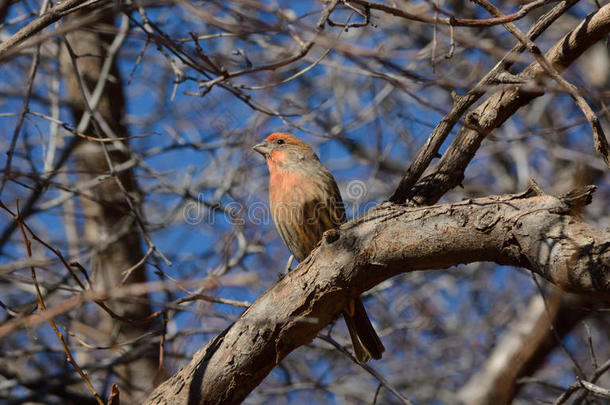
[305,202]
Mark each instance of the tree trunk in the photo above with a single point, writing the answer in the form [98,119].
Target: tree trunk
[110,228]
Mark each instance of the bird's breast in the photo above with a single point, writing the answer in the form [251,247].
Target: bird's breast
[297,212]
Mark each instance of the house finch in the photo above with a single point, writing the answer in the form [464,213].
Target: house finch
[305,202]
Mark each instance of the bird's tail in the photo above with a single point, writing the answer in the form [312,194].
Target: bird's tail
[365,341]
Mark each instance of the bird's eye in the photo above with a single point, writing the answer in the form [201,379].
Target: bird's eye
[280,141]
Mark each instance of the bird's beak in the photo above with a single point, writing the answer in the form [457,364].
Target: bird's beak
[262,148]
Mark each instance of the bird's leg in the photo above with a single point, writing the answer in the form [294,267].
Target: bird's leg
[288,264]
[286,269]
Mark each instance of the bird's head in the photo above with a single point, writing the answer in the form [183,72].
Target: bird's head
[283,150]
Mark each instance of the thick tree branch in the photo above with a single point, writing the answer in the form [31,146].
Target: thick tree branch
[539,233]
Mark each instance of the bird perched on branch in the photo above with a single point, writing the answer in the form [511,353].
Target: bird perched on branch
[305,202]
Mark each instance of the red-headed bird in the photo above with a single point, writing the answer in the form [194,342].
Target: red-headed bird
[305,202]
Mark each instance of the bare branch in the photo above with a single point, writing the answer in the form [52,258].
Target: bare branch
[538,233]
[430,150]
[49,17]
[503,104]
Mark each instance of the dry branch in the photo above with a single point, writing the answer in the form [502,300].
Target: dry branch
[490,115]
[37,25]
[539,233]
[503,104]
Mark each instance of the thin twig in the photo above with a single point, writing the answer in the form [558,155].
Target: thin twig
[599,137]
[24,110]
[43,309]
[368,369]
[452,20]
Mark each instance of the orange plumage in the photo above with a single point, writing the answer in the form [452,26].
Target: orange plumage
[305,202]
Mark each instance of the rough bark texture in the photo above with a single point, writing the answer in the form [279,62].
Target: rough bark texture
[110,227]
[539,233]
